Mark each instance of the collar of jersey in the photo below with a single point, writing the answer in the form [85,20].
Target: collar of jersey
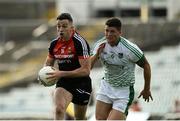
[67,41]
[119,39]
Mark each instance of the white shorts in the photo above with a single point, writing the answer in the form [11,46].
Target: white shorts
[120,98]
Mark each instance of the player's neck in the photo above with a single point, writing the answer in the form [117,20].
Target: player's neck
[115,43]
[67,38]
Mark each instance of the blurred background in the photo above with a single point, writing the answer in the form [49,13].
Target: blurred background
[28,26]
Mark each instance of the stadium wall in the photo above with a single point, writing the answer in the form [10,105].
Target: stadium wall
[152,36]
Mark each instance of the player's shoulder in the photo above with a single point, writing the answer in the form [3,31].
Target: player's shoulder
[54,40]
[78,37]
[99,42]
[127,43]
[80,42]
[130,47]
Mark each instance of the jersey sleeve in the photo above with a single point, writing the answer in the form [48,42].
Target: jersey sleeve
[82,47]
[51,47]
[135,53]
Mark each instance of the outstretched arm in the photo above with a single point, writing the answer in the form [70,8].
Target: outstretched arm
[146,93]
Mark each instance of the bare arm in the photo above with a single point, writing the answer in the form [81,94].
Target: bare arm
[49,61]
[95,57]
[146,93]
[84,70]
[147,75]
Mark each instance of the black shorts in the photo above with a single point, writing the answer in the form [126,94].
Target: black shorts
[80,88]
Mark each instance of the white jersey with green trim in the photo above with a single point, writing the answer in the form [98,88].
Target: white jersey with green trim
[119,61]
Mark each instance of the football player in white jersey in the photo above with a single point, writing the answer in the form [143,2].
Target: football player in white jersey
[119,57]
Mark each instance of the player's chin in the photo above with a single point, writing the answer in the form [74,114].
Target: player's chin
[110,39]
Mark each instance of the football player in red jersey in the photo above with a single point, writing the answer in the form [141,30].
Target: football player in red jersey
[72,52]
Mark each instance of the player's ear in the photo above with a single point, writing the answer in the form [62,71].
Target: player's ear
[121,33]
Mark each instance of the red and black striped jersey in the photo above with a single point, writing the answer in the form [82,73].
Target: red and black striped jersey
[68,53]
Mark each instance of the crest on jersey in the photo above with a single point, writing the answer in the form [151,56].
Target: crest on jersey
[69,50]
[62,50]
[120,55]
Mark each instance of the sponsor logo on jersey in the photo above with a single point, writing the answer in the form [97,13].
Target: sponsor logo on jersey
[64,56]
[64,61]
[69,50]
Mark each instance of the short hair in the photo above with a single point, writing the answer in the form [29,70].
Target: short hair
[63,16]
[114,22]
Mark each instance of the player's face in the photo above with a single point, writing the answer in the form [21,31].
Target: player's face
[64,29]
[112,35]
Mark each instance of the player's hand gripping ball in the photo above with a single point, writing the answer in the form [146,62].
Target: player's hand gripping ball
[42,76]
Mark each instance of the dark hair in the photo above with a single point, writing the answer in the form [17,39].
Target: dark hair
[114,22]
[63,16]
